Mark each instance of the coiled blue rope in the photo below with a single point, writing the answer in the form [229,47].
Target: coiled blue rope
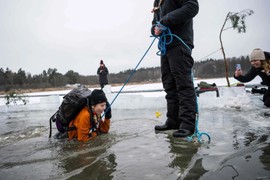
[165,39]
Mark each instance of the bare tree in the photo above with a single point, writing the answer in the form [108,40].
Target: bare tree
[238,22]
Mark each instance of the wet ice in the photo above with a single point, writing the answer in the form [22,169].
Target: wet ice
[132,149]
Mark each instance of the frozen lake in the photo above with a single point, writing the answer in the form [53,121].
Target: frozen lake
[237,123]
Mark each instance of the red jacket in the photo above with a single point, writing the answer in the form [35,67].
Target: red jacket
[83,125]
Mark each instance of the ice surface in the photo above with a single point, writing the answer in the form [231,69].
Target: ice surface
[235,121]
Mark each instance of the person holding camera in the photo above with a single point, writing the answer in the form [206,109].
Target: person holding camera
[260,61]
[88,123]
[102,73]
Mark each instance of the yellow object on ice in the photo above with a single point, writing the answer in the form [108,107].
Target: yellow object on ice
[158,114]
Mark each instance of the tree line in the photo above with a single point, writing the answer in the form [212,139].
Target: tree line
[51,78]
[212,68]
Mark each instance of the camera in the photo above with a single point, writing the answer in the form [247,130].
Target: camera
[238,67]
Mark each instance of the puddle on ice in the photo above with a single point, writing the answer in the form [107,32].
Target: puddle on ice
[239,147]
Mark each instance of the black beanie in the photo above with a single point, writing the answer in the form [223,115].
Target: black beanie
[97,96]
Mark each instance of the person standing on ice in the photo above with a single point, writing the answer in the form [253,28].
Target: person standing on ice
[177,63]
[102,73]
[260,61]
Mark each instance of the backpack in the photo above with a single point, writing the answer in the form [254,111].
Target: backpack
[203,84]
[72,104]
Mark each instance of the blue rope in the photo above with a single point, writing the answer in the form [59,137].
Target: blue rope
[165,39]
[166,33]
[131,74]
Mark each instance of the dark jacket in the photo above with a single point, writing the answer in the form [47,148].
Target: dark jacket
[103,72]
[177,15]
[253,72]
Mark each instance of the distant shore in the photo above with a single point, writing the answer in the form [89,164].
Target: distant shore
[67,87]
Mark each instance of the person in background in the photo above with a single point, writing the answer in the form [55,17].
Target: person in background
[260,61]
[102,73]
[88,123]
[177,63]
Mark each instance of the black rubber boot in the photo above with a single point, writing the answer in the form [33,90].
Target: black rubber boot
[165,127]
[172,115]
[182,133]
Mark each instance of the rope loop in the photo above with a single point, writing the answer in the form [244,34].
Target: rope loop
[165,38]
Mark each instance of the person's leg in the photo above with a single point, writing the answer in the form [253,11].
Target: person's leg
[101,86]
[266,98]
[59,135]
[171,97]
[181,64]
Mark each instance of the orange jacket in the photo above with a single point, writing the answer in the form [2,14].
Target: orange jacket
[82,122]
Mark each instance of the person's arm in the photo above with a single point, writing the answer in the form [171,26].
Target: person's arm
[155,18]
[105,125]
[98,71]
[105,71]
[252,73]
[188,10]
[83,126]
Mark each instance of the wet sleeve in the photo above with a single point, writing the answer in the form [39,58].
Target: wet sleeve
[72,134]
[186,12]
[105,125]
[83,127]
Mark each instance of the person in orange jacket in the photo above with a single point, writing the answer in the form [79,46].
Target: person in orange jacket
[88,123]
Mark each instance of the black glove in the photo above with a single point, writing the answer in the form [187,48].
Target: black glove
[260,91]
[108,111]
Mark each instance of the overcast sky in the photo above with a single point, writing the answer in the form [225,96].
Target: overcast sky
[75,34]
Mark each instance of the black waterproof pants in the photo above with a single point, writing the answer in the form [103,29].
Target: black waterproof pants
[176,67]
[266,98]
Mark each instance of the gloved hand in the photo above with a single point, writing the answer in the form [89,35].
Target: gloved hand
[108,111]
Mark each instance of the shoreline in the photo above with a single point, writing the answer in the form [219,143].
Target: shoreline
[67,87]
